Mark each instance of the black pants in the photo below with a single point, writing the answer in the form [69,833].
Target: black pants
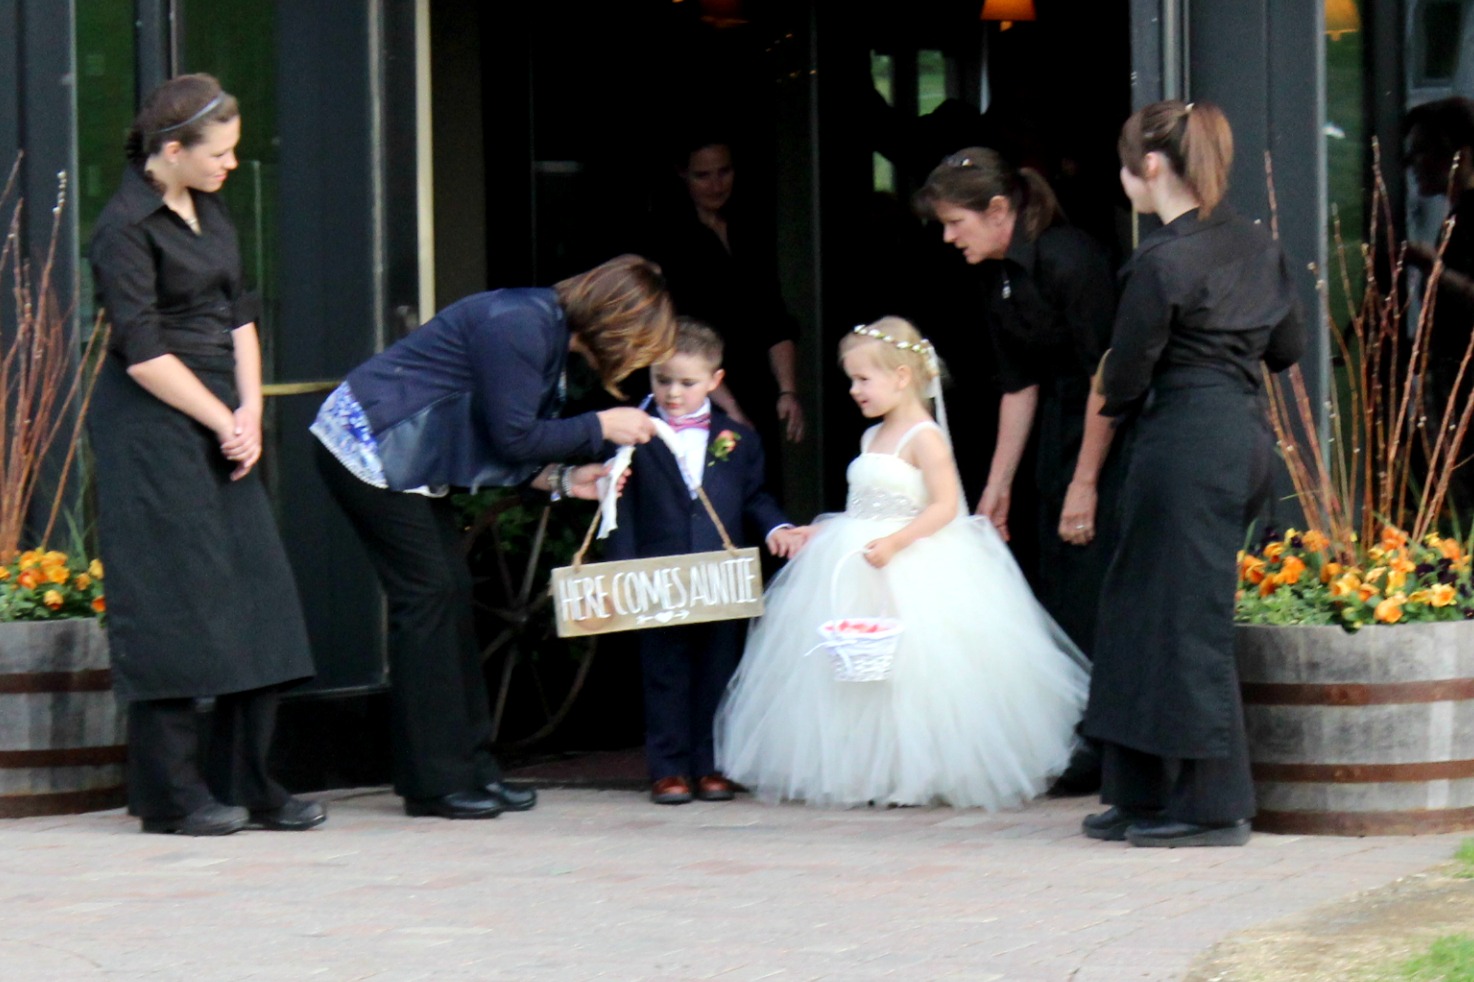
[440,718]
[1203,791]
[170,774]
[684,671]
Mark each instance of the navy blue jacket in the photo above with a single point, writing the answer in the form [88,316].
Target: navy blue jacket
[658,516]
[471,398]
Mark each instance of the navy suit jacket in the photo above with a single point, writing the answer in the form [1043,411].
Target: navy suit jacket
[472,397]
[658,516]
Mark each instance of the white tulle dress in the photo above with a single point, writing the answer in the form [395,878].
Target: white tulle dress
[985,690]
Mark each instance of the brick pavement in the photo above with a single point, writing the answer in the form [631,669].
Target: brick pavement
[602,885]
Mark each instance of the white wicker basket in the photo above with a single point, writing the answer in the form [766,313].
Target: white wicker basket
[860,649]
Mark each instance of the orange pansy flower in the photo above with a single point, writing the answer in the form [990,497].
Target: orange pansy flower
[52,599]
[95,568]
[1268,586]
[57,574]
[1329,572]
[29,578]
[1251,568]
[1442,595]
[1273,550]
[1345,584]
[1389,611]
[1293,569]
[1393,538]
[82,582]
[1314,540]
[1450,549]
[1366,591]
[99,604]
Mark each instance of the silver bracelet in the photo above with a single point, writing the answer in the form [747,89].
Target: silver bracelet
[565,480]
[555,483]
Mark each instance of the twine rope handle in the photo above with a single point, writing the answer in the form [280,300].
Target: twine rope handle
[588,537]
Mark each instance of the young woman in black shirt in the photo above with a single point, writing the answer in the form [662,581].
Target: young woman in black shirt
[202,604]
[1207,299]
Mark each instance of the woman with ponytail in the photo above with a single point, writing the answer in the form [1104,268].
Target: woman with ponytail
[1048,301]
[202,607]
[1207,301]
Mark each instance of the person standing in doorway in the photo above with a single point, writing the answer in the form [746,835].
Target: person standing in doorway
[1207,303]
[202,604]
[720,276]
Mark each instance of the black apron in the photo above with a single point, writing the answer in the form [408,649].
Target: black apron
[201,600]
[1164,680]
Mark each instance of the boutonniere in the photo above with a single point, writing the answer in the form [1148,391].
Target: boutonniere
[722,446]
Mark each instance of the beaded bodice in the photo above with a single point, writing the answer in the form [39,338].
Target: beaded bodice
[883,486]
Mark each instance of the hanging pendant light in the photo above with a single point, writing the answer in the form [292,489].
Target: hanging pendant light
[1342,17]
[1007,11]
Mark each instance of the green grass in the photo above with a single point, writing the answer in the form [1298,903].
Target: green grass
[1465,860]
[1449,959]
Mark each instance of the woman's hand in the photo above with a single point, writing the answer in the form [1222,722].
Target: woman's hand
[242,444]
[1077,518]
[626,425]
[791,414]
[881,551]
[993,506]
[583,481]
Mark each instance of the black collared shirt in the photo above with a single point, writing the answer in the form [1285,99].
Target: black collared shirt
[1211,294]
[1049,310]
[165,289]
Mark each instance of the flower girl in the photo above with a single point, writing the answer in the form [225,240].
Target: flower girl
[984,692]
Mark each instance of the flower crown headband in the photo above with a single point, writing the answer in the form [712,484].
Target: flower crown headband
[922,347]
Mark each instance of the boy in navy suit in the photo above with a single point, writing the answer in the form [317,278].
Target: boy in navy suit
[686,669]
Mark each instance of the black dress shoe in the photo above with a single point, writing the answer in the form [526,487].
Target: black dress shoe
[296,815]
[211,819]
[457,804]
[1111,824]
[1169,834]
[512,799]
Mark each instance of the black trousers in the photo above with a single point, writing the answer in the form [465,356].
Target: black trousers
[1202,791]
[171,774]
[440,716]
[684,671]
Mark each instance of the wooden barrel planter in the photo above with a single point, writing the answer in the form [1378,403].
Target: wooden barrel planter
[61,739]
[1369,733]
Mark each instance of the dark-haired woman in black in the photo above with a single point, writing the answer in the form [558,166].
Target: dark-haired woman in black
[1207,302]
[203,610]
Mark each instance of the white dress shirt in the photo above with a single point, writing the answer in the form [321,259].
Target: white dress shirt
[693,442]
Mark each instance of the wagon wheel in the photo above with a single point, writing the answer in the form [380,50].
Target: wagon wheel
[539,675]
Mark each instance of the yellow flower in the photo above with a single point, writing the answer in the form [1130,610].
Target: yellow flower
[1395,580]
[1376,552]
[4,573]
[1329,572]
[52,599]
[1389,611]
[1293,569]
[1443,595]
[95,568]
[1450,549]
[53,557]
[57,574]
[1420,597]
[1345,584]
[1314,540]
[1404,565]
[30,558]
[82,582]
[1273,550]
[1374,574]
[1366,592]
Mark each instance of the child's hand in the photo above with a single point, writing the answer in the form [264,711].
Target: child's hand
[786,543]
[881,551]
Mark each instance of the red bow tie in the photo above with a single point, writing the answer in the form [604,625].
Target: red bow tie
[700,421]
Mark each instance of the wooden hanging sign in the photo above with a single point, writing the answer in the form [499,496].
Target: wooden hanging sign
[662,591]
